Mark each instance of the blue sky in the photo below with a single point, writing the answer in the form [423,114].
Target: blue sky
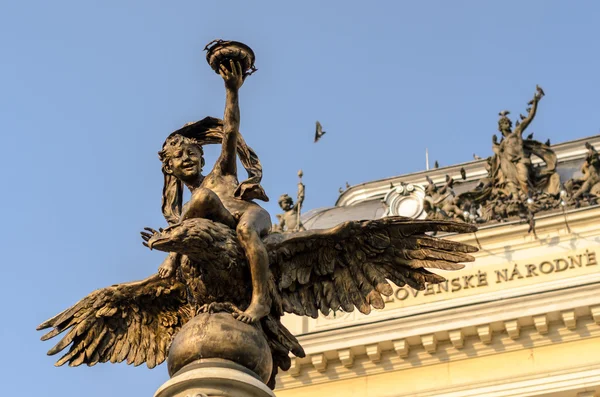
[90,89]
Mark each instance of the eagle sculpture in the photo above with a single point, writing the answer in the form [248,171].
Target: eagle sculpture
[209,270]
[338,269]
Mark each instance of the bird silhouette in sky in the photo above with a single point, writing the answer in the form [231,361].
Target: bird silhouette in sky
[319,132]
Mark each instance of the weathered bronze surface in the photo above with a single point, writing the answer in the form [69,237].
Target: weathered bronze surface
[224,259]
[218,335]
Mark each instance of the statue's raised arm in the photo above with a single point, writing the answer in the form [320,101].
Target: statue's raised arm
[234,79]
[539,93]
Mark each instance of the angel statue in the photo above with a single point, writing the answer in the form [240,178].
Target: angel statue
[224,259]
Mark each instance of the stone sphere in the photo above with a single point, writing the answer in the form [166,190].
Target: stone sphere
[219,335]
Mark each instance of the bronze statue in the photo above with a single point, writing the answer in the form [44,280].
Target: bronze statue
[290,221]
[223,258]
[214,195]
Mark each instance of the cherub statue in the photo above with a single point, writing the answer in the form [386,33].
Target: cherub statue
[290,221]
[217,196]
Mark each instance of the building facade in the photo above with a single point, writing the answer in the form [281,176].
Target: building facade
[522,320]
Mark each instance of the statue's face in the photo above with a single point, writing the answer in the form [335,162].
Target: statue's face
[504,125]
[185,161]
[286,205]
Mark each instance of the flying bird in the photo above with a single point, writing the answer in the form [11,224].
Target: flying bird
[476,157]
[504,113]
[318,132]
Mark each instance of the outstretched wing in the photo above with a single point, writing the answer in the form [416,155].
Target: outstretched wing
[349,265]
[132,321]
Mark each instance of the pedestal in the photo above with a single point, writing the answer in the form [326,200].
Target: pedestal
[214,378]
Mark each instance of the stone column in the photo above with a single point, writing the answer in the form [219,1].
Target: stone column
[214,378]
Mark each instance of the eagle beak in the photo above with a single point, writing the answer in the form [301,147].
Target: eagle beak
[156,242]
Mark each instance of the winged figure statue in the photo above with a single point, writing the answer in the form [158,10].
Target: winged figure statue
[344,268]
[224,257]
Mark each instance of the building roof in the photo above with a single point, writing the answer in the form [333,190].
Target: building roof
[366,200]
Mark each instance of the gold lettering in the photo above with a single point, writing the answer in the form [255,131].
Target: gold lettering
[481,279]
[500,276]
[442,286]
[559,268]
[429,290]
[546,267]
[455,284]
[591,258]
[575,261]
[531,270]
[515,273]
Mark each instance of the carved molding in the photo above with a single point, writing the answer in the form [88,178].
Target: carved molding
[595,310]
[399,351]
[485,333]
[541,323]
[406,199]
[512,328]
[429,342]
[346,357]
[457,337]
[319,361]
[570,319]
[401,347]
[373,352]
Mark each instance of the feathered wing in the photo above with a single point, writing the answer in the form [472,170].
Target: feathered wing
[349,265]
[132,321]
